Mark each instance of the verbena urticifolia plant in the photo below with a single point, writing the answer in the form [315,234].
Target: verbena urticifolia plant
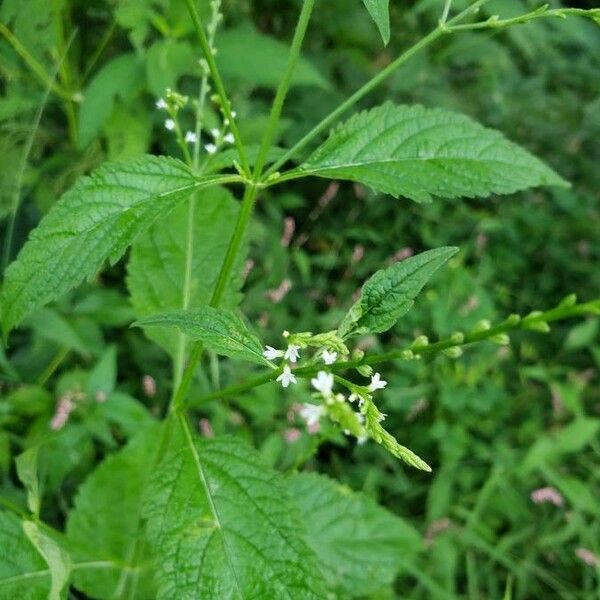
[176,515]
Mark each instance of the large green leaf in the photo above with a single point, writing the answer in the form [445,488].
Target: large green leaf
[380,13]
[157,266]
[95,220]
[105,526]
[390,293]
[359,545]
[222,526]
[221,330]
[418,153]
[23,572]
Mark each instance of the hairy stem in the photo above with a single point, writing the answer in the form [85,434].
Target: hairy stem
[282,90]
[513,323]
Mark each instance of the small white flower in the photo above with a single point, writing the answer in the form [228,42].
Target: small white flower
[286,333]
[210,148]
[287,377]
[161,104]
[329,357]
[233,114]
[191,137]
[292,353]
[215,133]
[229,138]
[311,413]
[323,382]
[170,124]
[272,353]
[361,440]
[376,383]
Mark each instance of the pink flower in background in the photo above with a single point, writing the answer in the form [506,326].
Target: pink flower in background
[402,254]
[149,385]
[63,410]
[329,194]
[279,293]
[206,428]
[248,266]
[358,253]
[588,557]
[547,495]
[292,435]
[289,226]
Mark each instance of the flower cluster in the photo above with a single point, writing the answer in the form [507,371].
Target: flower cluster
[172,103]
[329,350]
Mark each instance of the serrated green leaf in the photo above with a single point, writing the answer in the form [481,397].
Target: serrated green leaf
[157,265]
[223,527]
[26,464]
[23,572]
[418,153]
[58,560]
[391,292]
[105,524]
[380,13]
[97,219]
[358,544]
[221,330]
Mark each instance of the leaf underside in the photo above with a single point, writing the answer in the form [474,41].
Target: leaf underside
[420,153]
[221,330]
[94,221]
[380,13]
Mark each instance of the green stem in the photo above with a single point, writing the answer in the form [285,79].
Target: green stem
[439,31]
[511,324]
[243,219]
[495,23]
[216,76]
[282,90]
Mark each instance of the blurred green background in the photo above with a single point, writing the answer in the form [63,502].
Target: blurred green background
[496,424]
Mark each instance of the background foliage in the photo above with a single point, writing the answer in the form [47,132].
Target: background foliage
[495,425]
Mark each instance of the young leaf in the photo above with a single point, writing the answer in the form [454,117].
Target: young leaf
[221,330]
[380,13]
[97,219]
[390,293]
[157,264]
[23,572]
[418,153]
[105,524]
[359,545]
[27,470]
[223,527]
[57,558]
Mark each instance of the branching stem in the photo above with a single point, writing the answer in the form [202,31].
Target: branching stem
[511,324]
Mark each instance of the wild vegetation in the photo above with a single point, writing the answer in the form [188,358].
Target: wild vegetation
[299,299]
